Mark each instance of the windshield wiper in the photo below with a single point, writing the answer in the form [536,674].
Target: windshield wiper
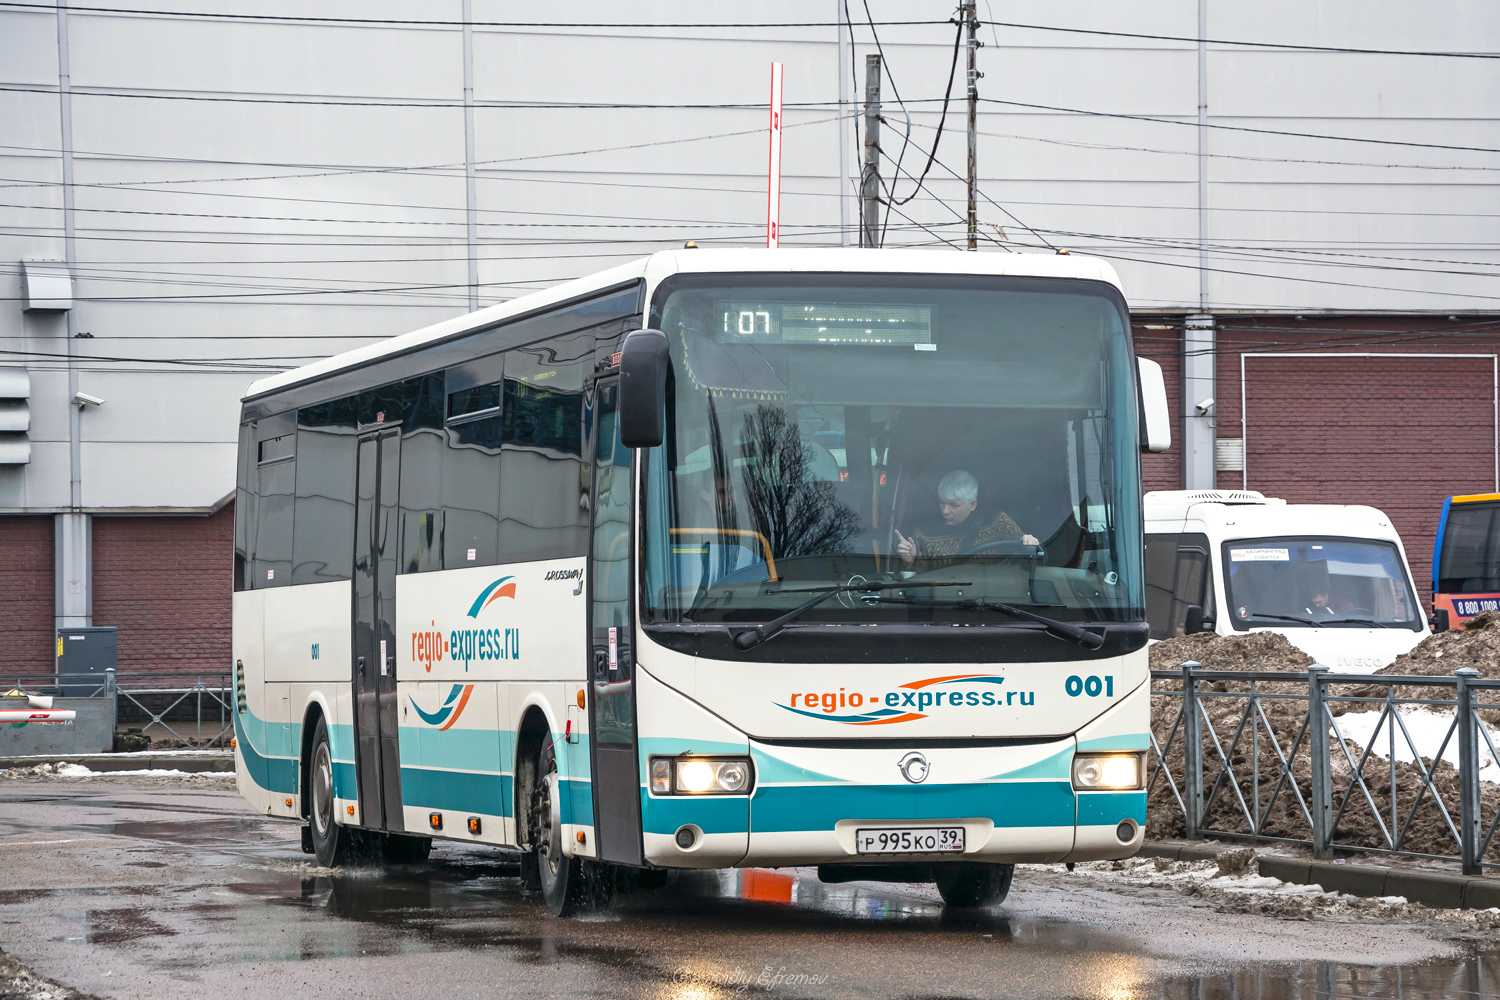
[1057,629]
[1290,618]
[1358,621]
[760,633]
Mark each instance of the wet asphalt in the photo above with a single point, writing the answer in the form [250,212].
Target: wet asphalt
[129,889]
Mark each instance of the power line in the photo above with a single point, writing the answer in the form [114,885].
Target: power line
[1295,47]
[1240,128]
[435,23]
[331,101]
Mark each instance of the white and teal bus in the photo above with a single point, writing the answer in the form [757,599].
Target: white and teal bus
[721,558]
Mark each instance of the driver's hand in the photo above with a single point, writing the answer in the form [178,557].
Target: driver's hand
[905,548]
[1029,540]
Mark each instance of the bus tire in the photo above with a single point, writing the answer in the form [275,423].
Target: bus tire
[973,883]
[561,877]
[401,849]
[333,844]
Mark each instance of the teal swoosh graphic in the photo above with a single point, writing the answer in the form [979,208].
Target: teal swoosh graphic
[444,710]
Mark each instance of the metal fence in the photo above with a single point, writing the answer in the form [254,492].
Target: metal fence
[195,707]
[1262,756]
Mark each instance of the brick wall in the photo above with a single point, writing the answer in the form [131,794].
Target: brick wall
[1397,433]
[26,596]
[1161,341]
[165,583]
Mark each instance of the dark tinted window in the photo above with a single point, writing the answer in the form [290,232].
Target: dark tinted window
[324,536]
[471,478]
[544,479]
[1177,577]
[1470,560]
[422,448]
[244,510]
[275,478]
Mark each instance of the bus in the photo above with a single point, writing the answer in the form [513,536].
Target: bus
[1466,560]
[718,559]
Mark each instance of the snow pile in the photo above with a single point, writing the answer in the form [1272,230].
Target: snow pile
[1427,727]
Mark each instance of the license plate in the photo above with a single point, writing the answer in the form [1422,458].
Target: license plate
[921,840]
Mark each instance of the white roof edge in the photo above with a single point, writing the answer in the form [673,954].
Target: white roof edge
[458,325]
[659,265]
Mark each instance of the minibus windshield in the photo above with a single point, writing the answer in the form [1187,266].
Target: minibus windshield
[1307,582]
[833,429]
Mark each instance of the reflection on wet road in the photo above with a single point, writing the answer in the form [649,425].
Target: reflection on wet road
[132,891]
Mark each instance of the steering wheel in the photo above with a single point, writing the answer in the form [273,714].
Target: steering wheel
[1359,613]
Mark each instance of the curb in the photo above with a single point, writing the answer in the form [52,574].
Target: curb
[1435,889]
[194,763]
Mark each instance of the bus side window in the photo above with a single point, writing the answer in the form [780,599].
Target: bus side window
[471,478]
[543,488]
[276,473]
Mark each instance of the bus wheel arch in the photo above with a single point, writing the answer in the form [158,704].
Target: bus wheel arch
[310,719]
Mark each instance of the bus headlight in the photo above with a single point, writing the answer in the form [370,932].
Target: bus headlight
[1109,772]
[700,775]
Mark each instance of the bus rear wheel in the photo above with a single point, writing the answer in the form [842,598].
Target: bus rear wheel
[333,844]
[973,883]
[561,876]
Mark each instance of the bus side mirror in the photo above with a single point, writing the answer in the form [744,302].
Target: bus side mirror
[644,365]
[1196,621]
[1156,423]
[1439,620]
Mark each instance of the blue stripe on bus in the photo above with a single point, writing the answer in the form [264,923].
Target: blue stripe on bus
[710,813]
[1108,808]
[275,774]
[1130,741]
[783,808]
[458,791]
[1437,543]
[467,749]
[1056,767]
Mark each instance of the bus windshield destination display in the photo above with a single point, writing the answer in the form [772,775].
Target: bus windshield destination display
[825,323]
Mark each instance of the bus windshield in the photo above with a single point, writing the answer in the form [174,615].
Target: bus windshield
[1310,582]
[833,429]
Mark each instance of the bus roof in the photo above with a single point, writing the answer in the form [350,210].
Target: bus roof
[667,262]
[1474,498]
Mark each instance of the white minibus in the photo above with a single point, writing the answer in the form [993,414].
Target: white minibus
[1332,578]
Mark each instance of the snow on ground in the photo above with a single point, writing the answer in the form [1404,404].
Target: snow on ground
[1232,883]
[1427,728]
[65,770]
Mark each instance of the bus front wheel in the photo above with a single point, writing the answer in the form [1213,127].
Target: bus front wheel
[973,883]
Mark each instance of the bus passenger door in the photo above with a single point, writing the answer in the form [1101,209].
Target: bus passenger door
[377,758]
[616,773]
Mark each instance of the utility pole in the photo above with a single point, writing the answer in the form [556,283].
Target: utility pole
[971,19]
[846,118]
[869,181]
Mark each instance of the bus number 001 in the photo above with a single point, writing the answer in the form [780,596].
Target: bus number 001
[1091,686]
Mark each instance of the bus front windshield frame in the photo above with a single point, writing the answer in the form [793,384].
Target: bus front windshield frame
[974,438]
[1317,581]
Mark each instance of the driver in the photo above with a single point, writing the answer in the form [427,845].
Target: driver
[962,530]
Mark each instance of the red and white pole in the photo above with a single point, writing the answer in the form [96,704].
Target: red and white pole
[773,188]
[37,715]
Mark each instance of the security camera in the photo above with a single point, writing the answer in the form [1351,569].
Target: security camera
[1204,405]
[84,400]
